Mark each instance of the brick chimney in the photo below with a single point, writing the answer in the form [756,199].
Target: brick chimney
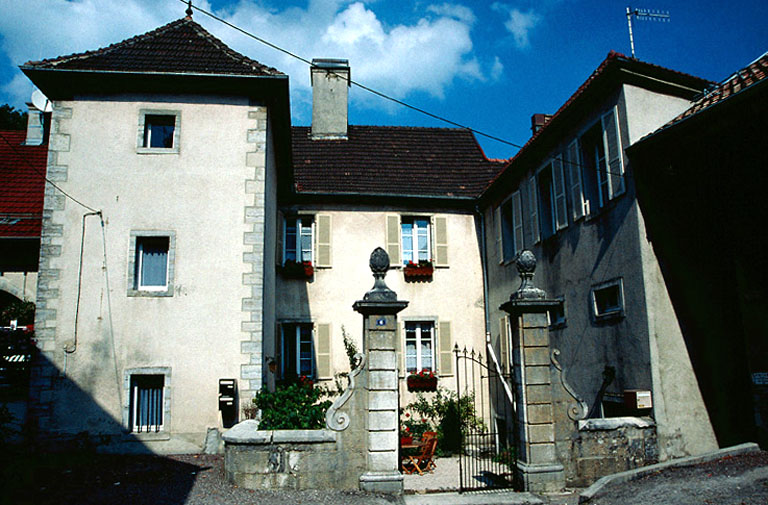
[538,121]
[330,89]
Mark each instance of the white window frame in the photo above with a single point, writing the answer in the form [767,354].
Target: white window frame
[135,407]
[615,311]
[142,142]
[135,258]
[414,251]
[159,432]
[302,229]
[296,338]
[418,330]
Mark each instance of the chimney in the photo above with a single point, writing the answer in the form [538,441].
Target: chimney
[35,126]
[538,121]
[330,82]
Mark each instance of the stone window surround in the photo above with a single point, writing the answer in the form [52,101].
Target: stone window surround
[140,149]
[157,370]
[617,313]
[435,338]
[132,291]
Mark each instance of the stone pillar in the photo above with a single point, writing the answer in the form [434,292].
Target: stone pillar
[379,308]
[538,469]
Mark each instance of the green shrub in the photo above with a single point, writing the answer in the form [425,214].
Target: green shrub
[292,406]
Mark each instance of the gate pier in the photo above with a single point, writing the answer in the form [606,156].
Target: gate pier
[538,468]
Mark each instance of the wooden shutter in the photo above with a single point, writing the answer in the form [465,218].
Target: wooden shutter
[504,344]
[573,161]
[279,242]
[323,351]
[400,348]
[533,210]
[517,219]
[497,224]
[613,157]
[560,204]
[323,256]
[446,348]
[393,240]
[441,241]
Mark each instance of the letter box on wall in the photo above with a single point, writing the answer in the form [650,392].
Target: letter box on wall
[228,401]
[637,399]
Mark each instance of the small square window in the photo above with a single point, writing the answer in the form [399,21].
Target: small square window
[146,403]
[158,132]
[152,263]
[608,299]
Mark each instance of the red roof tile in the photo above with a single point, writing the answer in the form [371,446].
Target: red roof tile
[182,46]
[735,84]
[611,61]
[392,160]
[22,185]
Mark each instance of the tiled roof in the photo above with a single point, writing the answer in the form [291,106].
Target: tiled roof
[612,60]
[392,160]
[182,46]
[737,83]
[21,185]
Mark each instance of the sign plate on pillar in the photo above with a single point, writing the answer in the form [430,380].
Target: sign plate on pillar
[381,321]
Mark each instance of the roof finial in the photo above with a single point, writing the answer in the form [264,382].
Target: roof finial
[189,9]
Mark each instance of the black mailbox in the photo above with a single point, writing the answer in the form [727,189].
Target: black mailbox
[228,401]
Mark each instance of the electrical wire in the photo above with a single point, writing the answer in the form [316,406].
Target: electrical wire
[24,160]
[369,89]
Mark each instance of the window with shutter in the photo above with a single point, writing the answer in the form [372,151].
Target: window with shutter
[441,241]
[546,200]
[445,367]
[573,166]
[324,366]
[324,249]
[613,158]
[298,350]
[511,217]
[393,240]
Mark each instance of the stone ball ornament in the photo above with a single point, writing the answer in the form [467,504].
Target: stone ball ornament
[526,262]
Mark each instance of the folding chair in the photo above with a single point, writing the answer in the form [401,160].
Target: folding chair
[423,462]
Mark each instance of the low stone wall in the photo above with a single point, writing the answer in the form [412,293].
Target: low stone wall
[605,446]
[288,459]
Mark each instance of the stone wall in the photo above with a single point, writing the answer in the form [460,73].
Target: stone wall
[604,446]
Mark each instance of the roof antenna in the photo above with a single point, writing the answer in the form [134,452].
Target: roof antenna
[189,9]
[643,15]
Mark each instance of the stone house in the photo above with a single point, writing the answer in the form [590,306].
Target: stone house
[699,183]
[569,196]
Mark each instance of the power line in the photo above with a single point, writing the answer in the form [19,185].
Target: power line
[367,88]
[24,160]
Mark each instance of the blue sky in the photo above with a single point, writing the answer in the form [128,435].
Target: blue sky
[488,65]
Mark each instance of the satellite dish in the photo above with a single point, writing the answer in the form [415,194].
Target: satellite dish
[41,101]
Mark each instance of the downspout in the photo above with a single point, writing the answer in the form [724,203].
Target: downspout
[486,313]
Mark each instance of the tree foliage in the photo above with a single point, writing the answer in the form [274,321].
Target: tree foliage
[12,119]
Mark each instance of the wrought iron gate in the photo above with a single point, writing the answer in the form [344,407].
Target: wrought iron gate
[487,458]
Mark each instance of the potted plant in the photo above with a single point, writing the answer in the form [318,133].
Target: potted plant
[424,381]
[297,269]
[418,271]
[406,438]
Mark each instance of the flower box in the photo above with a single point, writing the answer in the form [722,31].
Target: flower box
[422,270]
[424,381]
[297,270]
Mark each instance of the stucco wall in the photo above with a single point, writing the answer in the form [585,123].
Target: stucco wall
[203,198]
[455,293]
[22,285]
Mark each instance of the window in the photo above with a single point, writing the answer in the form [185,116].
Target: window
[603,166]
[546,201]
[146,403]
[151,264]
[557,315]
[415,239]
[510,216]
[298,239]
[159,131]
[298,352]
[419,346]
[608,299]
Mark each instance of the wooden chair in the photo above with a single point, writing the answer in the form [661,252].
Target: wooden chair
[423,461]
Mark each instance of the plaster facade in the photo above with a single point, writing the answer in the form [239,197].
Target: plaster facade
[93,323]
[22,285]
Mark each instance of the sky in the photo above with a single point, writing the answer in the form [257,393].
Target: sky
[488,65]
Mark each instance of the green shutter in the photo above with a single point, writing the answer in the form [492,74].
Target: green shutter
[323,257]
[441,241]
[323,352]
[446,349]
[393,240]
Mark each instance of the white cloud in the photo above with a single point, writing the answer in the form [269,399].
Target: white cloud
[496,69]
[519,23]
[424,56]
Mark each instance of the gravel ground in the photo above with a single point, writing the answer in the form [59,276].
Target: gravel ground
[731,480]
[137,480]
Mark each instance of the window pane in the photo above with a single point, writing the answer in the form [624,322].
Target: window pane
[423,239]
[306,240]
[407,234]
[158,130]
[507,231]
[426,346]
[146,402]
[153,260]
[290,239]
[410,348]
